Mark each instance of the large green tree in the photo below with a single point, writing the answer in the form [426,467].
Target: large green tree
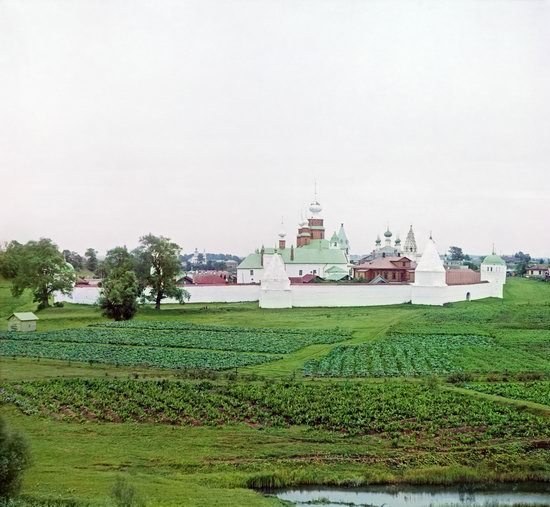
[14,459]
[8,259]
[119,294]
[121,287]
[117,258]
[160,261]
[40,267]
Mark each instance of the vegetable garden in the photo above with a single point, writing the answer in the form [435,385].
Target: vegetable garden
[354,408]
[537,392]
[164,344]
[425,354]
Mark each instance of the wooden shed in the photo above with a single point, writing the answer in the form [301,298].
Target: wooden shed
[23,321]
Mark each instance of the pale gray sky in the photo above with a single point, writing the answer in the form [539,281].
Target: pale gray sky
[207,120]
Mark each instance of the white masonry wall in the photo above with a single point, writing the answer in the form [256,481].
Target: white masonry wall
[319,294]
[199,294]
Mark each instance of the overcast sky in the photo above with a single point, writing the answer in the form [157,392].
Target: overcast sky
[207,121]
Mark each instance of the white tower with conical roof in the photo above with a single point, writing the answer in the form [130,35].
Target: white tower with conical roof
[275,286]
[430,271]
[430,286]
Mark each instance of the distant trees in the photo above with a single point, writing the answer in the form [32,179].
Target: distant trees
[74,259]
[160,265]
[15,457]
[455,253]
[522,262]
[91,259]
[38,266]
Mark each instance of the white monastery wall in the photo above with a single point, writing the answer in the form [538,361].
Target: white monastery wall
[317,294]
[199,294]
[249,275]
[79,296]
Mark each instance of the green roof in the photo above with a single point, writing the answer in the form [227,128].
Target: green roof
[24,316]
[317,244]
[252,261]
[493,259]
[335,277]
[302,255]
[336,269]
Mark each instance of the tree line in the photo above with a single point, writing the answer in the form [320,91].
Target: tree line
[146,274]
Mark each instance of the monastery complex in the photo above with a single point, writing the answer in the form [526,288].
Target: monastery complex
[316,271]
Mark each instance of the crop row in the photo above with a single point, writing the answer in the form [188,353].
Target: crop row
[355,408]
[421,355]
[397,355]
[245,341]
[538,392]
[184,326]
[160,357]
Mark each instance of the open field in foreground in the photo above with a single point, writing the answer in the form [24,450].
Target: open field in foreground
[466,401]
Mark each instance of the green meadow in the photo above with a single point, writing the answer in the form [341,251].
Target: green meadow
[200,415]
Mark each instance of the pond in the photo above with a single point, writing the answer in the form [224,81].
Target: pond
[422,496]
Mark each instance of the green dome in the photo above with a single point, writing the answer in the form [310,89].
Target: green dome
[388,233]
[493,259]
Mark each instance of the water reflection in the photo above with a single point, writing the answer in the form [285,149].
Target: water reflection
[391,496]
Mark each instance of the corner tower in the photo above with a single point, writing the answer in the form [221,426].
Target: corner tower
[493,269]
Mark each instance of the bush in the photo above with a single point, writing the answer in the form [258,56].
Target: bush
[125,495]
[459,377]
[14,459]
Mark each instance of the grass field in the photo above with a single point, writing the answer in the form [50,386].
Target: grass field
[183,440]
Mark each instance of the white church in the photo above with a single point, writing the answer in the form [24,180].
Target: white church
[313,254]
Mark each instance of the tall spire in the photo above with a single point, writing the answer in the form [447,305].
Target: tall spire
[410,242]
[315,207]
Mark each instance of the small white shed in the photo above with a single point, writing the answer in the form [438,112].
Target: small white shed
[23,321]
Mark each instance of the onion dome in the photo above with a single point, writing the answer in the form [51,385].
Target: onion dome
[315,208]
[397,241]
[388,233]
[378,240]
[282,232]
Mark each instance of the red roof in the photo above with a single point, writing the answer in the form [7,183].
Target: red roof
[462,276]
[205,279]
[302,279]
[386,263]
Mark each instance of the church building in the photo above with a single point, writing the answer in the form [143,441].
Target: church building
[312,255]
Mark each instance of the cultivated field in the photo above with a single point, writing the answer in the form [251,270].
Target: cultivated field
[196,405]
